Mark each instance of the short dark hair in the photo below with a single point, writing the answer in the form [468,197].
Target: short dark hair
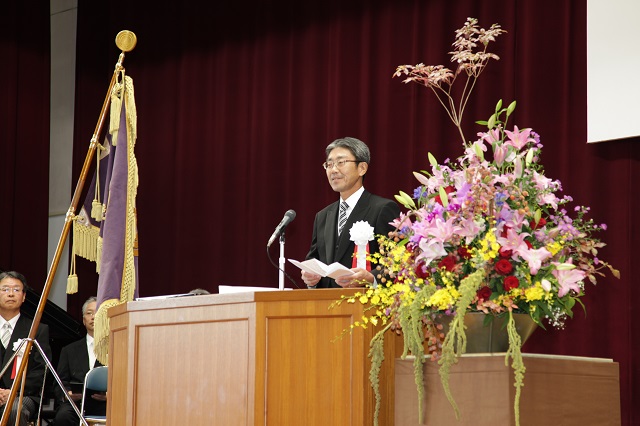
[359,149]
[15,275]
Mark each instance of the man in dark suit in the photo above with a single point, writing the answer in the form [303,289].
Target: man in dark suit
[13,327]
[346,164]
[76,359]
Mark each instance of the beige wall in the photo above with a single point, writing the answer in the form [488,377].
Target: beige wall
[63,57]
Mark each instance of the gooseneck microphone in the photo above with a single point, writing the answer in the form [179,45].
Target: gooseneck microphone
[288,218]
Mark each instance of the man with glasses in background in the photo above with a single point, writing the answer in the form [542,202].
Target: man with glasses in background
[13,327]
[347,162]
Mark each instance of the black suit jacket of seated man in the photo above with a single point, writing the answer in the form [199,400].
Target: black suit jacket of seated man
[73,366]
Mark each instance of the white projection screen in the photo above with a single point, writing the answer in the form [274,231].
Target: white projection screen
[613,70]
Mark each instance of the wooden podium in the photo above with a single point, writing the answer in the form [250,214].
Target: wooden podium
[263,358]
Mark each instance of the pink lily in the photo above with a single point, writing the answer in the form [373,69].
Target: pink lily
[430,250]
[517,138]
[499,154]
[569,280]
[535,257]
[514,242]
[442,231]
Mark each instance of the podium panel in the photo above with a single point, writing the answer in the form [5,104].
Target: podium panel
[558,390]
[265,358]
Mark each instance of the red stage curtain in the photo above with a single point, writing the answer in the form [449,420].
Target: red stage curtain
[24,139]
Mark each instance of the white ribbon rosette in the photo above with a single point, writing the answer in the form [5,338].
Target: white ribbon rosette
[361,233]
[19,355]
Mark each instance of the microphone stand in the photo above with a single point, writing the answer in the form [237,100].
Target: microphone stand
[281,263]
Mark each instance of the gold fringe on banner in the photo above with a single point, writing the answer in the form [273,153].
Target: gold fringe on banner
[98,254]
[85,244]
[85,240]
[128,284]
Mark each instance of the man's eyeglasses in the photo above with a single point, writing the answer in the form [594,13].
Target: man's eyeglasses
[339,164]
[10,289]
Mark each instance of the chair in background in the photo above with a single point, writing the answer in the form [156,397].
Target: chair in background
[95,380]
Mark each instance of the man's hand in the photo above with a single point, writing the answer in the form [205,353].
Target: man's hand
[4,395]
[99,396]
[358,279]
[310,279]
[75,396]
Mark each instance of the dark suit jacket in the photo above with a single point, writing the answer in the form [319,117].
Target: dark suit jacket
[328,248]
[73,366]
[36,367]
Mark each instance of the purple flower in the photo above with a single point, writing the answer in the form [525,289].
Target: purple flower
[419,192]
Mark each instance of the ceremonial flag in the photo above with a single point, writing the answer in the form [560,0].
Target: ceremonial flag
[112,245]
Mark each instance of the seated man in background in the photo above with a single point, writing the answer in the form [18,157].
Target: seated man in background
[13,328]
[76,359]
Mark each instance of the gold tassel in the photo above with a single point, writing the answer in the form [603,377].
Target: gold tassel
[72,279]
[96,210]
[72,284]
[116,106]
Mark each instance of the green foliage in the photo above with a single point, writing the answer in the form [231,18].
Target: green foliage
[376,353]
[515,343]
[455,344]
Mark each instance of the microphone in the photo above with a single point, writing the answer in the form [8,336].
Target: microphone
[288,217]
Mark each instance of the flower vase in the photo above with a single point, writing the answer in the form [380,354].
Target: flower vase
[492,338]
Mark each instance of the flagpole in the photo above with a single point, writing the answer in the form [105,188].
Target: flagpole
[126,42]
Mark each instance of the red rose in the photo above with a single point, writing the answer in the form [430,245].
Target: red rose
[464,253]
[504,231]
[447,263]
[448,190]
[542,222]
[506,253]
[484,293]
[510,283]
[503,267]
[421,270]
[529,245]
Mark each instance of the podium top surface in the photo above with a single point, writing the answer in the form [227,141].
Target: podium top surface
[180,301]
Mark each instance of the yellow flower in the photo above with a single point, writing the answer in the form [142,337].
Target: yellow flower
[554,247]
[363,299]
[534,293]
[489,246]
[444,298]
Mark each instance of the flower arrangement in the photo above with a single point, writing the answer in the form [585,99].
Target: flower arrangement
[487,232]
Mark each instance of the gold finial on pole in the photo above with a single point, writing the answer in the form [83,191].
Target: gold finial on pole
[126,40]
